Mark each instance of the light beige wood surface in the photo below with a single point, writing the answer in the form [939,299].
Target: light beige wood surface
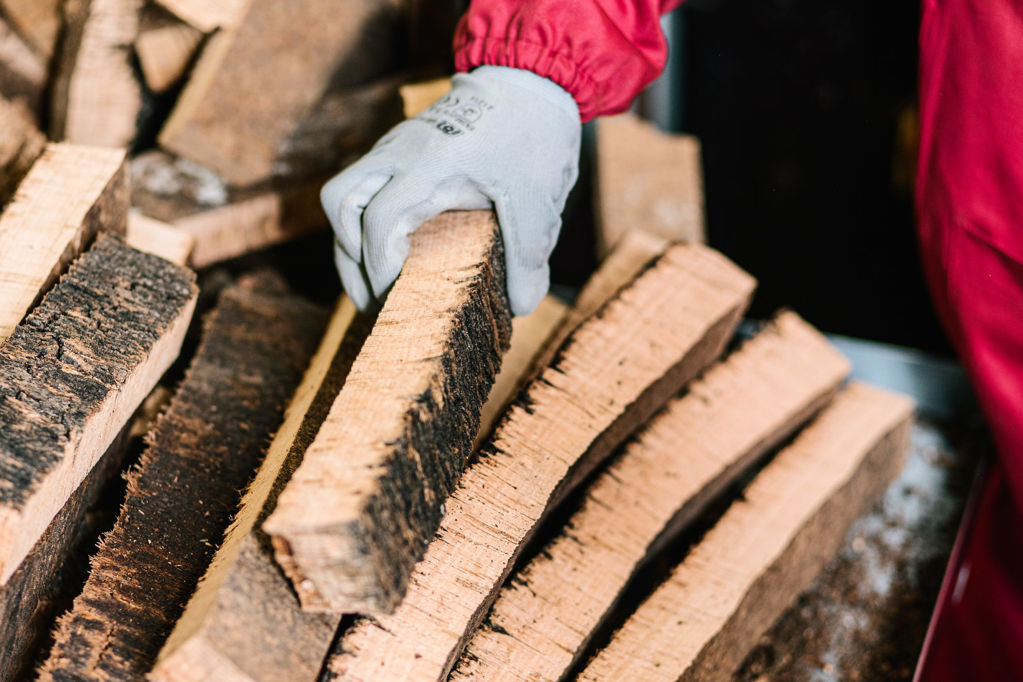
[22,71]
[165,52]
[69,194]
[614,371]
[206,15]
[21,143]
[417,96]
[768,546]
[665,477]
[37,20]
[159,238]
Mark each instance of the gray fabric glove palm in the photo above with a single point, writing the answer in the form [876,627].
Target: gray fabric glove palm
[502,138]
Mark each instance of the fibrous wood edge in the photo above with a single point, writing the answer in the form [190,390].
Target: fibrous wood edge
[232,115]
[159,238]
[96,98]
[21,143]
[204,15]
[72,374]
[701,622]
[70,193]
[22,71]
[647,177]
[37,20]
[226,596]
[664,478]
[608,377]
[165,52]
[348,528]
[186,488]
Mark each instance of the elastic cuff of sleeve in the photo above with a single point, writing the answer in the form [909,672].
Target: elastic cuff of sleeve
[536,84]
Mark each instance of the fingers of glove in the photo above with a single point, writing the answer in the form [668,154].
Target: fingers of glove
[529,229]
[353,279]
[344,200]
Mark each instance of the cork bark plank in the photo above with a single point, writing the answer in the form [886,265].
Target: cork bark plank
[22,71]
[206,16]
[664,478]
[609,376]
[70,193]
[701,622]
[73,373]
[96,97]
[165,52]
[21,143]
[37,20]
[159,238]
[232,115]
[186,488]
[647,177]
[358,512]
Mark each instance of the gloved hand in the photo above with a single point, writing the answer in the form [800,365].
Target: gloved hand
[501,137]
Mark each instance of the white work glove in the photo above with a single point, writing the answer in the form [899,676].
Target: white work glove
[502,138]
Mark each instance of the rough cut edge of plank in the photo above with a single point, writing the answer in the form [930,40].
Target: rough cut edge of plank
[252,224]
[677,465]
[165,52]
[161,295]
[204,15]
[37,20]
[309,405]
[416,97]
[608,377]
[22,71]
[647,177]
[184,492]
[70,194]
[699,624]
[347,531]
[159,238]
[26,601]
[21,143]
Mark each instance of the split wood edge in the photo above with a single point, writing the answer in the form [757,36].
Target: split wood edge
[159,238]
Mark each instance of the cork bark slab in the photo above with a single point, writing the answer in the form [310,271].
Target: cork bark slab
[768,546]
[37,20]
[183,494]
[72,374]
[21,143]
[165,51]
[611,374]
[367,498]
[22,71]
[71,193]
[204,15]
[663,480]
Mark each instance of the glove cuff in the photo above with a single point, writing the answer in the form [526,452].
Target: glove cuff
[537,85]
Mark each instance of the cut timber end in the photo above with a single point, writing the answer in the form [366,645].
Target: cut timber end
[158,238]
[608,377]
[679,463]
[360,509]
[72,374]
[701,622]
[21,143]
[648,178]
[70,193]
[186,488]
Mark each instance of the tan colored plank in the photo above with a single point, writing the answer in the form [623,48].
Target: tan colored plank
[21,143]
[234,117]
[647,178]
[614,371]
[415,97]
[70,193]
[96,98]
[663,480]
[22,71]
[769,545]
[158,238]
[165,52]
[347,531]
[72,374]
[37,20]
[205,15]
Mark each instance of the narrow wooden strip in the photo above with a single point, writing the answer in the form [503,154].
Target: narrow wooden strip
[37,20]
[186,488]
[234,117]
[96,98]
[204,15]
[72,374]
[647,177]
[347,530]
[609,376]
[21,143]
[664,479]
[22,71]
[165,52]
[158,238]
[70,193]
[700,623]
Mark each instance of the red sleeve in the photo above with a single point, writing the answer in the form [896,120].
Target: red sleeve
[604,52]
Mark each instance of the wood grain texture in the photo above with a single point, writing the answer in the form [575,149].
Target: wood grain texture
[73,373]
[69,194]
[204,15]
[158,238]
[22,71]
[186,488]
[614,371]
[37,20]
[165,52]
[348,528]
[21,143]
[96,98]
[664,478]
[647,178]
[768,546]
[232,627]
[234,117]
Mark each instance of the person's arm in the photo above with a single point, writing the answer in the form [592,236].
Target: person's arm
[506,135]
